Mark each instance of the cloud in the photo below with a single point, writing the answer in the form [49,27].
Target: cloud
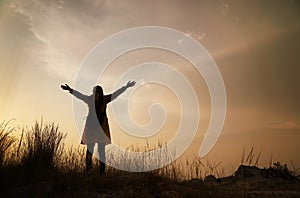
[56,35]
[284,125]
[26,15]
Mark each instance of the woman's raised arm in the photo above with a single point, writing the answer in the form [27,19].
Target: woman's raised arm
[114,95]
[75,93]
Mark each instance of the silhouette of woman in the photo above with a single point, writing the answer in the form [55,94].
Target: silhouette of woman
[96,128]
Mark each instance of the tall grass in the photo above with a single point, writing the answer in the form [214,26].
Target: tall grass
[6,140]
[137,159]
[41,156]
[251,158]
[72,160]
[41,147]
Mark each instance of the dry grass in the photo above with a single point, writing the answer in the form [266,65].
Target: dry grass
[41,147]
[6,140]
[40,163]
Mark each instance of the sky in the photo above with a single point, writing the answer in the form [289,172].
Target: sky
[255,45]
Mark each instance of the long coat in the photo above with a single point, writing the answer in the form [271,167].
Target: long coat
[96,128]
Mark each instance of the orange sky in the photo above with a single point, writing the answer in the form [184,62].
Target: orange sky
[255,45]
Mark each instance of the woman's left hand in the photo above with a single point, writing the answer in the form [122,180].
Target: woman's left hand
[130,84]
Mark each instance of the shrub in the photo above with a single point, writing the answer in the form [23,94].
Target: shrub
[282,171]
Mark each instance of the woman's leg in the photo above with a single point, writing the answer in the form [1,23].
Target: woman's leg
[89,156]
[102,157]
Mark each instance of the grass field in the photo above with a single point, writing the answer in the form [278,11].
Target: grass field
[37,164]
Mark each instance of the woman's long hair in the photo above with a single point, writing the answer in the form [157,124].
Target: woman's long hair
[99,104]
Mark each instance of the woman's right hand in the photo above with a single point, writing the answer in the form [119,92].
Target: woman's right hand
[66,87]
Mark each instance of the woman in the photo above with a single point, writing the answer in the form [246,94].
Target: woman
[96,127]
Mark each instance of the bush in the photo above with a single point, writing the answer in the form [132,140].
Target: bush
[282,171]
